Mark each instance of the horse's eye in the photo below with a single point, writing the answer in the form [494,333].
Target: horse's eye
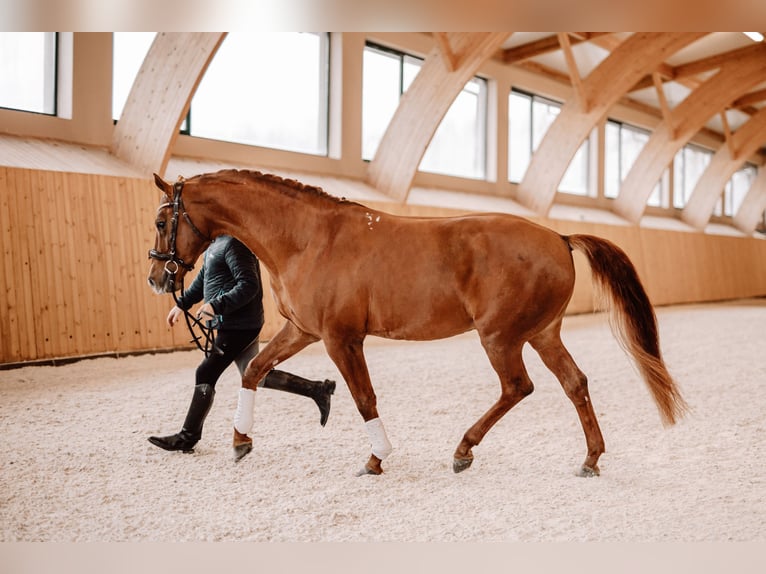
[160,225]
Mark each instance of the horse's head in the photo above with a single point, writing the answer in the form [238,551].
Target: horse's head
[178,242]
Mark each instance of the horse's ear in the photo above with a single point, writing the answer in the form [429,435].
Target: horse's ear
[163,185]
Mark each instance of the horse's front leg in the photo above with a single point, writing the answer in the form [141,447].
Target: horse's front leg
[348,356]
[288,341]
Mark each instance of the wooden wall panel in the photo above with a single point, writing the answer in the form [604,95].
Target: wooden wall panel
[74,265]
[73,274]
[20,281]
[10,343]
[696,267]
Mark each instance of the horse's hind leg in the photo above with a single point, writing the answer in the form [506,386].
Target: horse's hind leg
[555,356]
[515,385]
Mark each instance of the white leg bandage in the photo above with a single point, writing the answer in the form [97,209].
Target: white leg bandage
[381,447]
[243,418]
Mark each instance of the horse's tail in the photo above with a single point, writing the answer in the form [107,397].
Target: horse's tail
[632,319]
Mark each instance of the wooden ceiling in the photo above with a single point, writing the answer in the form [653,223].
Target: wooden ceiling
[568,56]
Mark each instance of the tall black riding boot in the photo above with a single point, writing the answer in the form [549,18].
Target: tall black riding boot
[191,432]
[320,391]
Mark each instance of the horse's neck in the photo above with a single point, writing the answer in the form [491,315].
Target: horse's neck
[274,225]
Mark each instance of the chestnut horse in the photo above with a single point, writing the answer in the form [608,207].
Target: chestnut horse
[341,271]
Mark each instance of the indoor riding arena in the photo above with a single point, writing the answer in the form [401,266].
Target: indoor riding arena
[654,141]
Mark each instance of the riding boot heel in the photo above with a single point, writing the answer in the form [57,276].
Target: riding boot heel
[191,432]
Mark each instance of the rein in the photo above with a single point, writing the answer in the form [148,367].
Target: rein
[173,263]
[206,333]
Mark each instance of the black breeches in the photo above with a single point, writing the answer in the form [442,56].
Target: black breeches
[232,343]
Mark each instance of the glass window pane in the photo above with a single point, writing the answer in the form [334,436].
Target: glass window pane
[697,161]
[410,68]
[519,135]
[575,178]
[266,89]
[678,179]
[738,187]
[659,196]
[458,146]
[718,209]
[632,141]
[689,164]
[28,71]
[529,118]
[612,177]
[129,51]
[380,96]
[622,146]
[544,113]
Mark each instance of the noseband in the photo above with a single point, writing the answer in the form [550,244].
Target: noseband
[173,263]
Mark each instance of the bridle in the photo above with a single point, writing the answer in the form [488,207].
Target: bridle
[171,257]
[173,262]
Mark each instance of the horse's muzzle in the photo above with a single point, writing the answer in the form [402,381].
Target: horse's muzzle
[163,286]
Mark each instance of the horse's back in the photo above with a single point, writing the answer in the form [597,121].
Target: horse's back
[428,278]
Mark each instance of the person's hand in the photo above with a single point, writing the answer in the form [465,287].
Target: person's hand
[174,315]
[206,312]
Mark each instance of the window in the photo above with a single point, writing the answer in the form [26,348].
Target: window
[736,189]
[129,51]
[458,147]
[266,89]
[688,165]
[529,117]
[387,75]
[623,143]
[28,71]
[519,135]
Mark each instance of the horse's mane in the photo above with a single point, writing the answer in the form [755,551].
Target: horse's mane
[291,187]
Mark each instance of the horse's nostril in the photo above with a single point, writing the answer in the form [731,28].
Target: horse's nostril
[151,282]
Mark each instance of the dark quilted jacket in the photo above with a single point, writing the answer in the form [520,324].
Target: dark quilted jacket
[230,280]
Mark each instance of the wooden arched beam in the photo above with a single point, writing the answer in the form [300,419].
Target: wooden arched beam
[424,104]
[754,204]
[160,97]
[745,142]
[634,58]
[733,79]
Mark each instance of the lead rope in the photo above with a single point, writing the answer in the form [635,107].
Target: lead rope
[191,322]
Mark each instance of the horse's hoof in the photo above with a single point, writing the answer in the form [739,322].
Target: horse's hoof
[460,464]
[372,467]
[365,471]
[241,450]
[589,472]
